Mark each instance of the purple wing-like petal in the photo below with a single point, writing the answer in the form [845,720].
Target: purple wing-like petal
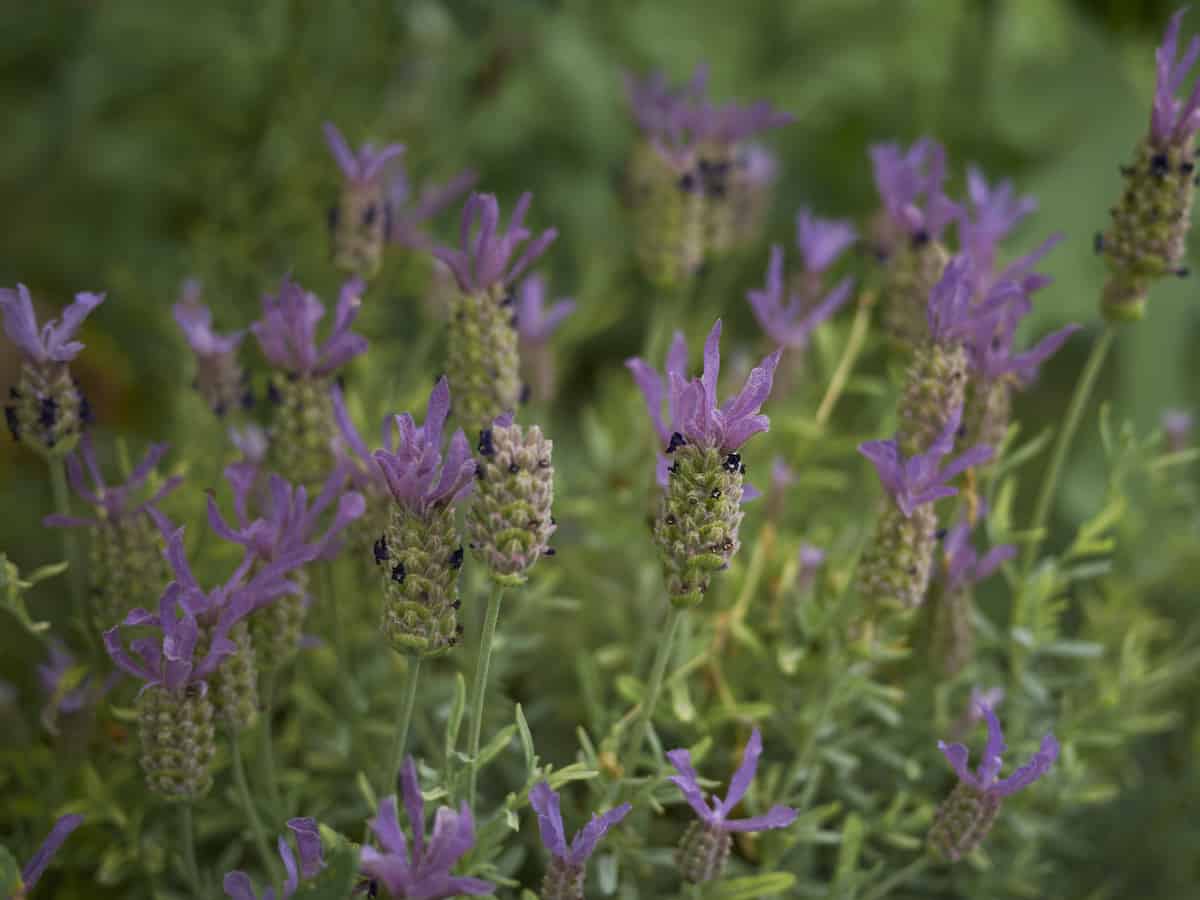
[586,839]
[689,784]
[742,778]
[545,803]
[414,804]
[957,756]
[238,886]
[20,322]
[308,839]
[387,829]
[775,817]
[993,752]
[1038,766]
[37,865]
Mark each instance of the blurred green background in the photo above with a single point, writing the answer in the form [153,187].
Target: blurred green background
[144,142]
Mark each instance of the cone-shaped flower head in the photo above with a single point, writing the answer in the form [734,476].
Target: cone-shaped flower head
[535,324]
[896,566]
[1147,238]
[663,178]
[697,526]
[289,528]
[359,222]
[482,360]
[509,520]
[564,877]
[1177,424]
[308,839]
[304,432]
[32,871]
[126,567]
[419,551]
[421,871]
[47,412]
[409,214]
[951,634]
[789,319]
[911,185]
[220,379]
[704,850]
[965,817]
[720,132]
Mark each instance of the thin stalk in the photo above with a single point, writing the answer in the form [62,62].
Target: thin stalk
[256,825]
[266,748]
[642,724]
[482,663]
[404,716]
[62,506]
[854,344]
[893,881]
[1079,401]
[192,871]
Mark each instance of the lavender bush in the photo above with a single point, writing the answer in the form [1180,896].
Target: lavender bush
[612,607]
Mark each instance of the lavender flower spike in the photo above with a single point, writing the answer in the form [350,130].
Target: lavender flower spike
[420,552]
[422,873]
[48,413]
[1147,239]
[127,567]
[790,319]
[304,432]
[220,380]
[564,877]
[32,871]
[239,887]
[359,222]
[822,241]
[965,817]
[697,526]
[704,850]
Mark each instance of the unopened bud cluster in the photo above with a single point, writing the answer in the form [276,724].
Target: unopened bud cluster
[46,411]
[912,271]
[697,526]
[303,429]
[702,853]
[178,737]
[277,628]
[126,568]
[896,566]
[420,556]
[483,363]
[233,687]
[563,881]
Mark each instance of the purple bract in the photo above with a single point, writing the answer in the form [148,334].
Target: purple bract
[53,342]
[361,167]
[983,779]
[535,323]
[545,803]
[484,257]
[238,885]
[287,332]
[1171,119]
[906,180]
[790,319]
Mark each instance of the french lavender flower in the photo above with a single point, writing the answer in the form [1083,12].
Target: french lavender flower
[704,850]
[936,380]
[755,176]
[408,214]
[917,209]
[308,839]
[483,363]
[721,133]
[32,871]
[663,178]
[535,324]
[700,512]
[422,872]
[1147,238]
[990,214]
[564,877]
[47,412]
[359,221]
[420,551]
[288,527]
[125,566]
[895,567]
[509,520]
[220,378]
[952,637]
[965,817]
[1177,425]
[304,433]
[789,319]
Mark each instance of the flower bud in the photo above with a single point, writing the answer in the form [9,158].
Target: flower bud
[697,526]
[668,215]
[509,520]
[47,412]
[303,429]
[963,821]
[483,364]
[420,556]
[895,568]
[234,685]
[126,566]
[563,881]
[934,387]
[703,853]
[178,740]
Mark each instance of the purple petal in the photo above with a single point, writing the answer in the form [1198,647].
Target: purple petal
[453,835]
[37,865]
[651,385]
[414,804]
[775,817]
[56,335]
[993,559]
[341,151]
[689,785]
[20,322]
[545,803]
[993,753]
[740,783]
[308,839]
[292,876]
[584,844]
[1038,766]
[957,756]
[238,886]
[387,829]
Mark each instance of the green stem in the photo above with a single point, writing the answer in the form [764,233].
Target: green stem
[192,871]
[266,744]
[403,720]
[482,664]
[256,825]
[893,881]
[62,506]
[642,725]
[1079,400]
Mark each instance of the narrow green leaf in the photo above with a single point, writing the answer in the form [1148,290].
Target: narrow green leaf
[457,708]
[751,888]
